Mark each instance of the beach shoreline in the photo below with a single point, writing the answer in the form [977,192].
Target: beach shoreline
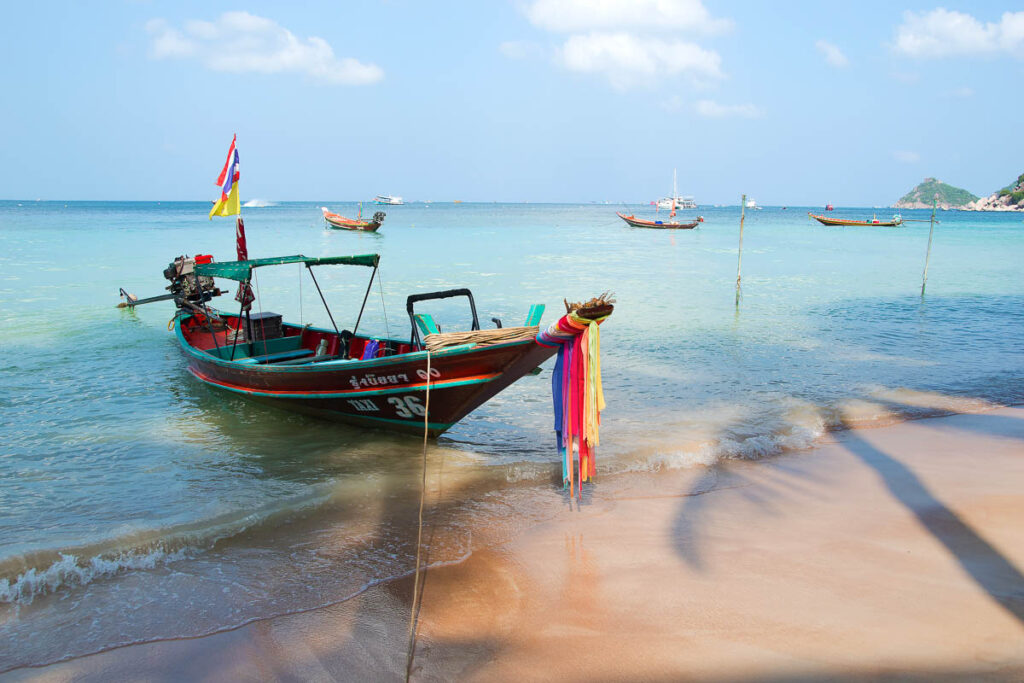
[886,553]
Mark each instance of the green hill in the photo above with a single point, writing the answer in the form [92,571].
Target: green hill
[1015,191]
[921,196]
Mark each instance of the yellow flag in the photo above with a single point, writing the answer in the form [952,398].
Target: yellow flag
[227,207]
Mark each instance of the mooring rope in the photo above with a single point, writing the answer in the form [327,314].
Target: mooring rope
[503,335]
[414,613]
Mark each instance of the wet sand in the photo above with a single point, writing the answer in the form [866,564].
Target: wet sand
[890,553]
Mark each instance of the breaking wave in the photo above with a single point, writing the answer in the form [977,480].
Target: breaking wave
[23,578]
[70,571]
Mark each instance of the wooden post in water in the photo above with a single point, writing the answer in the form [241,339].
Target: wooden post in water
[928,254]
[739,260]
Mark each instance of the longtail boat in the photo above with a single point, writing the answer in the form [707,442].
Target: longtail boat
[349,375]
[824,220]
[671,225]
[340,222]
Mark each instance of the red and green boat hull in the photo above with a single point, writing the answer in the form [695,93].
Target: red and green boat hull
[386,392]
[663,225]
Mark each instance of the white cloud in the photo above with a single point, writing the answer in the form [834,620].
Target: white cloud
[833,55]
[961,93]
[943,33]
[571,16]
[628,60]
[168,42]
[239,42]
[906,157]
[714,110]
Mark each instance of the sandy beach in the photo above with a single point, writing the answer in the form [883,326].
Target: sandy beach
[893,553]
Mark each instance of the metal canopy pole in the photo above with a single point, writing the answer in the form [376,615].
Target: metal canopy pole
[242,309]
[209,325]
[326,307]
[365,297]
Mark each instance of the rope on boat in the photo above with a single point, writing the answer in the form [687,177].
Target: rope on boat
[416,597]
[502,335]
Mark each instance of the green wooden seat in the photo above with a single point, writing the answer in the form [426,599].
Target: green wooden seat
[274,357]
[307,359]
[533,317]
[426,323]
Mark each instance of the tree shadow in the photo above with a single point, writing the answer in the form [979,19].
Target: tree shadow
[979,559]
[727,475]
[985,423]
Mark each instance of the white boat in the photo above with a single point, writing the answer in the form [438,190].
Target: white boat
[388,199]
[752,204]
[675,201]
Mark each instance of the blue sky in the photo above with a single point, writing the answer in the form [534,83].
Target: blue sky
[522,100]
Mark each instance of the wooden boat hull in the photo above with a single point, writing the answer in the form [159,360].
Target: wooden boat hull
[825,220]
[342,223]
[672,225]
[388,392]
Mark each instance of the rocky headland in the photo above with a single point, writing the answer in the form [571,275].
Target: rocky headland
[1010,198]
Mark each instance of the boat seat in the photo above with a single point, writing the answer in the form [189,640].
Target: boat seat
[533,316]
[275,357]
[426,323]
[303,361]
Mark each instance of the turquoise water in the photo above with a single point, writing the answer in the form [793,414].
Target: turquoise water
[138,504]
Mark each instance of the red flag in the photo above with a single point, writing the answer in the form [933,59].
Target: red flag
[240,246]
[244,295]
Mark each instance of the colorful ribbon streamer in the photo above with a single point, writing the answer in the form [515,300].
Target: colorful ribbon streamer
[577,394]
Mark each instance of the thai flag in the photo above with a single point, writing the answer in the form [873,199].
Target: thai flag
[228,204]
[229,174]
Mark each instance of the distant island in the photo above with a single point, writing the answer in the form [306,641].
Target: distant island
[922,196]
[1010,198]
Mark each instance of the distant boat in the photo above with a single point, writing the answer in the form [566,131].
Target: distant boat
[752,204]
[675,201]
[669,225]
[342,223]
[893,222]
[829,207]
[391,200]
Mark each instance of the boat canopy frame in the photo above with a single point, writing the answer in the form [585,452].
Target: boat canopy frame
[242,272]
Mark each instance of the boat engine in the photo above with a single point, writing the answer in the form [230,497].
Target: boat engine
[186,285]
[378,216]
